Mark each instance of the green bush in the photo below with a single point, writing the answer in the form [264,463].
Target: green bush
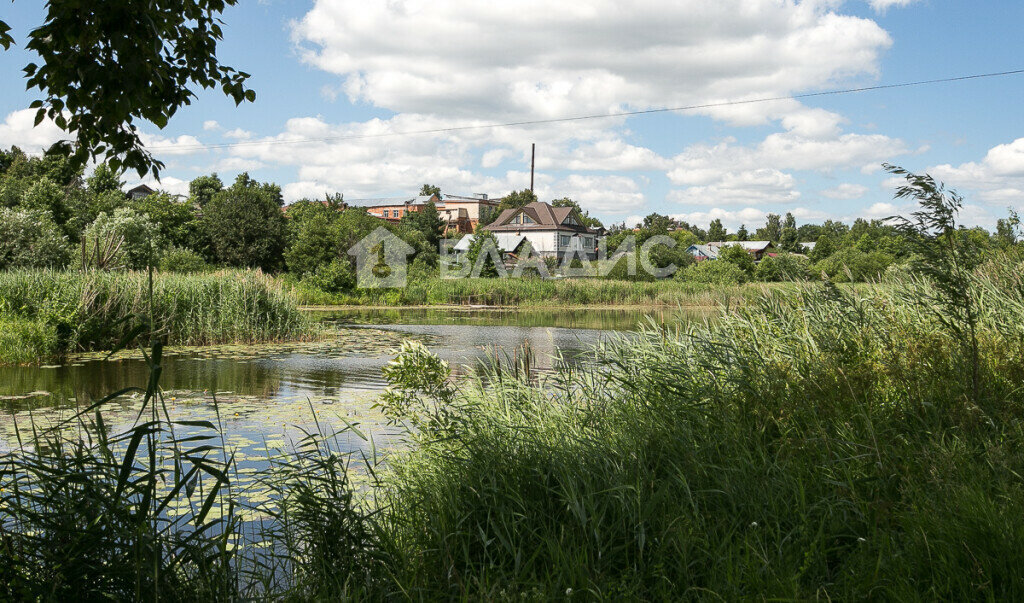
[125,239]
[30,239]
[335,277]
[783,267]
[178,259]
[714,272]
[850,264]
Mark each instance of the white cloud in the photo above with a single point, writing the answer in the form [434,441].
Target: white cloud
[541,59]
[997,179]
[758,186]
[881,6]
[211,125]
[238,134]
[607,195]
[160,146]
[17,130]
[751,217]
[845,191]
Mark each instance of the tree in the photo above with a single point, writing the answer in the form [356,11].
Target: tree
[315,244]
[517,199]
[176,222]
[428,190]
[428,222]
[742,234]
[788,241]
[245,224]
[714,272]
[124,239]
[104,180]
[1008,230]
[482,250]
[30,239]
[772,230]
[103,67]
[790,221]
[716,232]
[824,247]
[738,256]
[657,223]
[203,188]
[783,267]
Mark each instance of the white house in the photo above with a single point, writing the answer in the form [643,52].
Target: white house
[551,231]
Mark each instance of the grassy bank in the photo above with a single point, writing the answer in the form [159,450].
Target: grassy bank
[434,291]
[815,443]
[46,314]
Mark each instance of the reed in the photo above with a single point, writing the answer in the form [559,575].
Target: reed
[538,292]
[83,311]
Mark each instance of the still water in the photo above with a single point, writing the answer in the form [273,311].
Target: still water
[273,391]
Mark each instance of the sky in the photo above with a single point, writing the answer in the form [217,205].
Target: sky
[341,84]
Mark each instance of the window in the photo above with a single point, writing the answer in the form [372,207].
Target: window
[385,213]
[570,220]
[564,240]
[527,219]
[522,219]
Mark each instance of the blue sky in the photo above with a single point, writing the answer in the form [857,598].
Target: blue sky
[344,68]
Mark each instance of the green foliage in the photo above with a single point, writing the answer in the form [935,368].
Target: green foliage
[429,189]
[483,251]
[104,180]
[851,264]
[126,239]
[336,276]
[164,46]
[824,247]
[772,230]
[783,267]
[46,195]
[177,259]
[428,223]
[30,239]
[245,225]
[714,272]
[202,189]
[176,221]
[738,256]
[717,232]
[314,244]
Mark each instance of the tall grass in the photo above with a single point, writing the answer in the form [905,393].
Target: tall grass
[93,310]
[817,442]
[536,292]
[814,444]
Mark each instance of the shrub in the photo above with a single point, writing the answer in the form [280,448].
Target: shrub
[862,266]
[714,272]
[126,239]
[783,267]
[178,259]
[30,239]
[335,277]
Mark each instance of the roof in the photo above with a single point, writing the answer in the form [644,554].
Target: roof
[389,201]
[465,199]
[507,242]
[704,250]
[544,215]
[748,245]
[142,188]
[809,246]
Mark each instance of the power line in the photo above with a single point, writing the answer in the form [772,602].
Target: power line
[532,122]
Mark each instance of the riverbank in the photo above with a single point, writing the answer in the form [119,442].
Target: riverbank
[539,293]
[816,442]
[46,315]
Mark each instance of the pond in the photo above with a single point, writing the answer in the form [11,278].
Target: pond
[265,395]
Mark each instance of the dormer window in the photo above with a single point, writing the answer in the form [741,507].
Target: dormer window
[522,218]
[570,221]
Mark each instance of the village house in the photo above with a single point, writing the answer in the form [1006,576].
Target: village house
[551,231]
